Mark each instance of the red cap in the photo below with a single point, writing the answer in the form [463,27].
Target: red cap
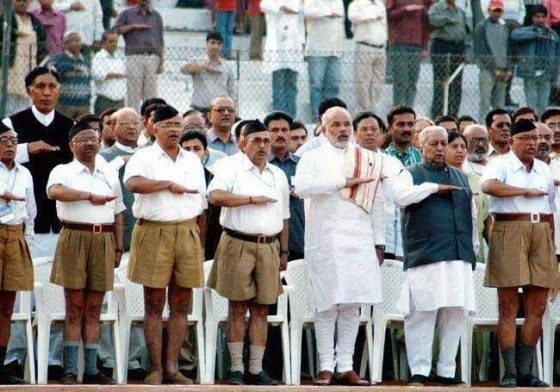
[496,5]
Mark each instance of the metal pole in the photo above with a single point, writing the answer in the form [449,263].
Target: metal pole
[6,45]
[446,87]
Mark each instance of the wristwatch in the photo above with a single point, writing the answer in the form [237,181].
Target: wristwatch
[284,252]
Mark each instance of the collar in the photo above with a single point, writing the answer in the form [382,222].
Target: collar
[247,165]
[159,151]
[432,167]
[16,166]
[212,136]
[79,167]
[52,12]
[139,11]
[219,60]
[516,164]
[394,148]
[289,157]
[79,58]
[124,148]
[44,119]
[492,151]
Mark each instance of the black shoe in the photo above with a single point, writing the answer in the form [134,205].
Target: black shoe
[69,379]
[532,381]
[189,373]
[98,379]
[8,379]
[234,378]
[55,372]
[260,379]
[417,380]
[447,381]
[138,374]
[508,381]
[13,369]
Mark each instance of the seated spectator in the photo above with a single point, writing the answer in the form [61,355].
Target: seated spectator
[465,121]
[525,112]
[54,23]
[448,122]
[298,136]
[28,48]
[75,92]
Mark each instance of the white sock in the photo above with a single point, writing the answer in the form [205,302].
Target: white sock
[236,356]
[256,358]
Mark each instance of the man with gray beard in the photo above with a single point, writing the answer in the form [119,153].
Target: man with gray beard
[544,149]
[477,148]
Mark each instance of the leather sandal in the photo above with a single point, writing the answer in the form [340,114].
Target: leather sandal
[350,378]
[324,378]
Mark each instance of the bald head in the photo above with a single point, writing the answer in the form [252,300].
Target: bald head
[222,114]
[128,125]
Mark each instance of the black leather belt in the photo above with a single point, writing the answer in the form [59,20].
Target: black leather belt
[259,239]
[92,228]
[524,217]
[371,45]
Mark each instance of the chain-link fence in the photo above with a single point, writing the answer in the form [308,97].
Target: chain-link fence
[458,89]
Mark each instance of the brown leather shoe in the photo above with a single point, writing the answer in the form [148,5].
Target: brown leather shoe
[177,378]
[324,378]
[350,378]
[153,378]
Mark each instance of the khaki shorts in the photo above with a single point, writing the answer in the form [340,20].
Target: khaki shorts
[521,254]
[16,267]
[244,271]
[84,260]
[164,253]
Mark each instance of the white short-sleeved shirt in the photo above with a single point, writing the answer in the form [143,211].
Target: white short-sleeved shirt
[511,171]
[153,163]
[241,177]
[19,182]
[101,182]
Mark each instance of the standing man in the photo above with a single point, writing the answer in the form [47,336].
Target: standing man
[285,37]
[108,71]
[477,149]
[369,18]
[18,210]
[75,77]
[54,23]
[278,124]
[323,49]
[211,75]
[339,181]
[409,35]
[142,29]
[491,50]
[541,45]
[254,196]
[551,118]
[498,122]
[401,125]
[298,136]
[90,246]
[225,19]
[439,257]
[165,253]
[84,17]
[222,117]
[449,32]
[522,252]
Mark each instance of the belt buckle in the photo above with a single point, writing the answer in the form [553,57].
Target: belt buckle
[97,228]
[261,239]
[535,217]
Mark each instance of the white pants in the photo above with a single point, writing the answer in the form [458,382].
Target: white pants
[346,319]
[419,336]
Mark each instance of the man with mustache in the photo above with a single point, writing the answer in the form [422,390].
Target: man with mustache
[253,249]
[551,118]
[522,252]
[17,212]
[342,232]
[477,149]
[439,257]
[401,124]
[90,246]
[498,122]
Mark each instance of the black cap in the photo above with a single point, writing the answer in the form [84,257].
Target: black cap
[253,126]
[164,113]
[80,126]
[4,128]
[522,125]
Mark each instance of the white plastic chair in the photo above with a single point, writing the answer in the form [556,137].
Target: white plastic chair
[302,314]
[50,307]
[23,315]
[486,318]
[216,313]
[386,315]
[132,311]
[551,320]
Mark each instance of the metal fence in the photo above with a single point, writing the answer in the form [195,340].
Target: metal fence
[254,83]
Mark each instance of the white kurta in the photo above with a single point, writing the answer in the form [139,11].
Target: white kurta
[339,236]
[437,285]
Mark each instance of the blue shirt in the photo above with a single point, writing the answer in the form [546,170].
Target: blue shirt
[215,143]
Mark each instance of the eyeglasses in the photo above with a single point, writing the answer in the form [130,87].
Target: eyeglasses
[6,141]
[553,126]
[170,125]
[478,140]
[129,124]
[502,125]
[223,110]
[548,138]
[84,140]
[259,140]
[527,139]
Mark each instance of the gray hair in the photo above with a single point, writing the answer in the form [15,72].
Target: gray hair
[424,134]
[474,127]
[66,37]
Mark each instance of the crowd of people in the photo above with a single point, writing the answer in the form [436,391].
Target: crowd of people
[508,38]
[171,189]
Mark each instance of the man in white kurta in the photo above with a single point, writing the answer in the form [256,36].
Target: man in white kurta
[339,248]
[438,257]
